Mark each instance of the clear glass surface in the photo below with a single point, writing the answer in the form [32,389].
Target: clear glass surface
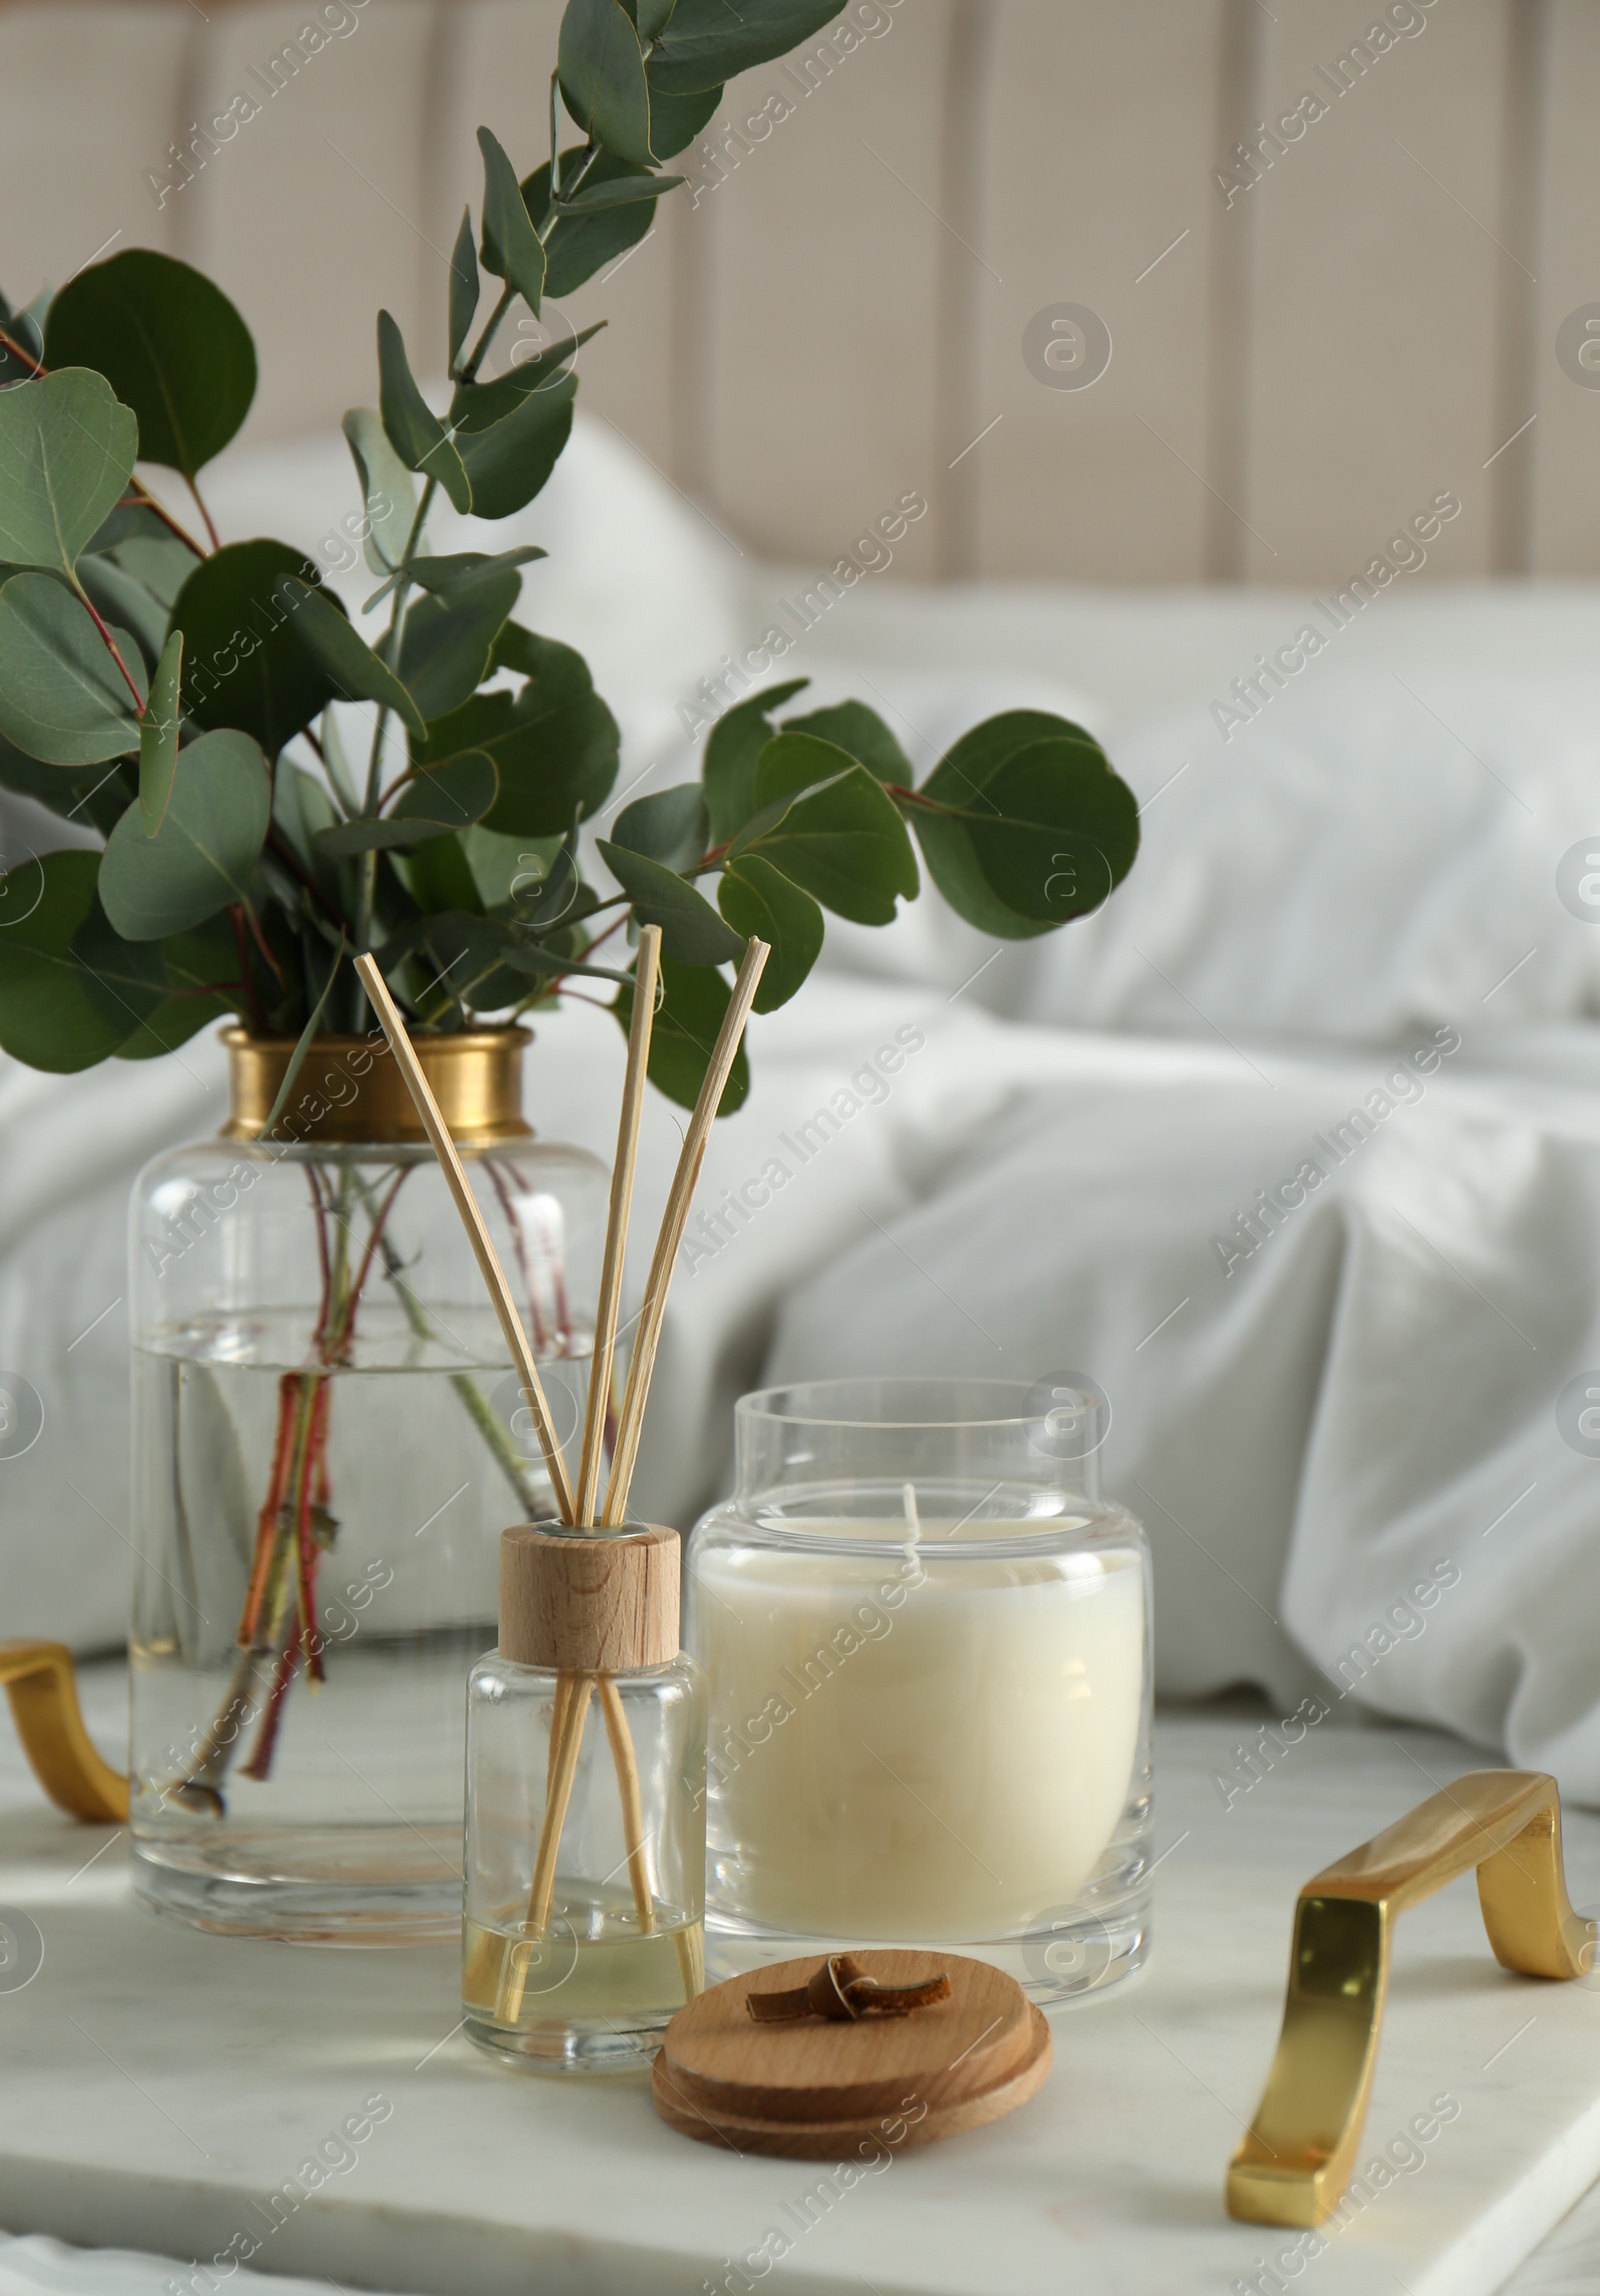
[589,1982]
[328,1441]
[927,1643]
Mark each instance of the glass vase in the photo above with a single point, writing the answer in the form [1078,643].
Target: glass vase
[927,1643]
[327,1442]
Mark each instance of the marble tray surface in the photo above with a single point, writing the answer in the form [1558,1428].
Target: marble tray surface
[158,2086]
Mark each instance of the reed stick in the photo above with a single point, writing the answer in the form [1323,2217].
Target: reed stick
[566,1739]
[466,1203]
[646,974]
[647,1339]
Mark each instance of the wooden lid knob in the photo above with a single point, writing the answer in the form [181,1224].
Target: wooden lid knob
[589,1602]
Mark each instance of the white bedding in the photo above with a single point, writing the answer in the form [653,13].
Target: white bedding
[1362,1407]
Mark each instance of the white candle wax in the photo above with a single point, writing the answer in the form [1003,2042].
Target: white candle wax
[909,1745]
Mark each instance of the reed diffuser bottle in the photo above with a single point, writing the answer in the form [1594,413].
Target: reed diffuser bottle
[586,1766]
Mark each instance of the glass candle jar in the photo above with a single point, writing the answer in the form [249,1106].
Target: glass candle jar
[585,1848]
[927,1643]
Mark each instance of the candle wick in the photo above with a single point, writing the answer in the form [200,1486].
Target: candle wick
[908,1500]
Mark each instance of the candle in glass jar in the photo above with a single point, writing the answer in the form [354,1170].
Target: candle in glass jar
[913,1744]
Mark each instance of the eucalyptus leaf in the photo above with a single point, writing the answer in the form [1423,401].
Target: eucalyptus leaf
[158,736]
[67,450]
[512,249]
[735,745]
[691,930]
[671,826]
[160,563]
[62,697]
[204,855]
[694,999]
[580,243]
[625,189]
[445,798]
[414,430]
[245,663]
[844,843]
[707,41]
[444,652]
[93,796]
[760,903]
[389,495]
[117,596]
[507,465]
[861,734]
[463,288]
[601,68]
[54,1014]
[479,406]
[133,973]
[170,344]
[445,577]
[676,119]
[1062,821]
[349,663]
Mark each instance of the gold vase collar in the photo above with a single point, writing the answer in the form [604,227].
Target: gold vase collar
[349,1088]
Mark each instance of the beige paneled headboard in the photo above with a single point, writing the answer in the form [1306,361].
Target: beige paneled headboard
[1332,244]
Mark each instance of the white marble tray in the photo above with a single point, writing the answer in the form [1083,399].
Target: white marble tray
[156,2086]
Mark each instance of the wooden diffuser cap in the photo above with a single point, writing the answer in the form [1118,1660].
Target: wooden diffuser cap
[589,1602]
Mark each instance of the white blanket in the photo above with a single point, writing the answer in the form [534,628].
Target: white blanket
[1362,1405]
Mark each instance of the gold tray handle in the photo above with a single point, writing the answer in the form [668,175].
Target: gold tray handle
[1294,2164]
[43,1690]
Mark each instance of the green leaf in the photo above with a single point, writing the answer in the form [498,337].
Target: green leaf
[760,903]
[173,1022]
[507,465]
[133,973]
[624,189]
[415,431]
[651,18]
[158,736]
[556,764]
[691,930]
[693,1001]
[675,120]
[445,798]
[511,246]
[88,794]
[389,495]
[503,868]
[558,673]
[205,852]
[440,877]
[244,662]
[351,667]
[62,697]
[160,563]
[479,406]
[601,69]
[54,1014]
[119,598]
[843,842]
[707,41]
[670,826]
[1040,829]
[445,647]
[735,743]
[445,577]
[792,762]
[66,452]
[577,245]
[170,344]
[25,332]
[303,1046]
[463,288]
[861,734]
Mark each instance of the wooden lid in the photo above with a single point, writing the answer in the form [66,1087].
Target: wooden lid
[808,2088]
[589,1602]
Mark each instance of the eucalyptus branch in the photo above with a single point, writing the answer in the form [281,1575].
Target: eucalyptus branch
[110,642]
